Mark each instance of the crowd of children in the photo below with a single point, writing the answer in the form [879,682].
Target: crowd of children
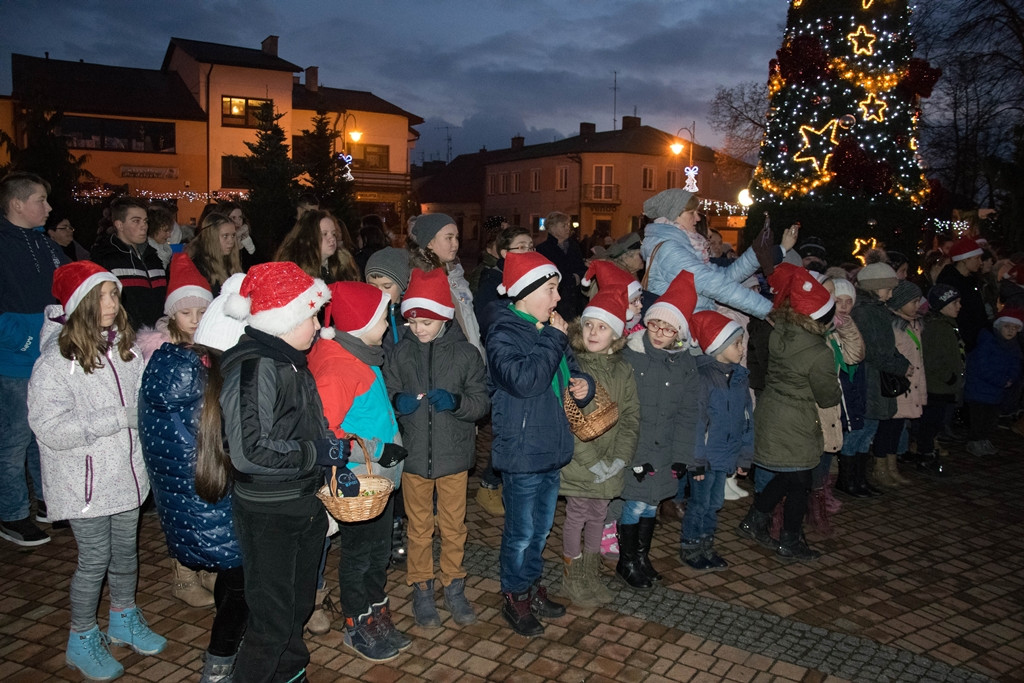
[236,409]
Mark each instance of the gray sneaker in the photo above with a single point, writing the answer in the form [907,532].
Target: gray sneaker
[23,532]
[977,449]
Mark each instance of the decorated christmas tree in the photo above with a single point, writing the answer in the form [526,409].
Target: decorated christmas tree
[840,152]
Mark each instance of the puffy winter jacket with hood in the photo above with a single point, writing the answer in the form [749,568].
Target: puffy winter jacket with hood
[875,320]
[91,461]
[725,417]
[943,357]
[199,534]
[439,443]
[992,365]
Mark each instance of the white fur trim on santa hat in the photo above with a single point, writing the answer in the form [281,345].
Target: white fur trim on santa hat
[634,290]
[87,284]
[331,332]
[723,336]
[966,255]
[186,292]
[1008,320]
[596,313]
[541,272]
[284,319]
[825,308]
[429,305]
[661,310]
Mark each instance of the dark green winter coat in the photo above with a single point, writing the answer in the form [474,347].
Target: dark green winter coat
[801,378]
[597,466]
[440,443]
[943,356]
[874,320]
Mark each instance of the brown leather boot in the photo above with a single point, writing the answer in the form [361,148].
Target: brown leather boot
[892,465]
[320,621]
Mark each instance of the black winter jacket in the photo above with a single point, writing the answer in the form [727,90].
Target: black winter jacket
[143,278]
[874,320]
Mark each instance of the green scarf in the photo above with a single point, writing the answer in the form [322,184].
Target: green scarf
[841,365]
[561,379]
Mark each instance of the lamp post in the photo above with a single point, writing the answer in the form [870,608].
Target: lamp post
[677,147]
[354,134]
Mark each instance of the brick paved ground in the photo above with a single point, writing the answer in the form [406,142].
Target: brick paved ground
[923,584]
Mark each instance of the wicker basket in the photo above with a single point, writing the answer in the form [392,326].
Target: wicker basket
[362,507]
[595,423]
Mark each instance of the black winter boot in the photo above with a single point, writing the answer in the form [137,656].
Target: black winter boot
[628,569]
[541,607]
[863,483]
[714,561]
[793,548]
[755,527]
[847,482]
[931,462]
[643,548]
[516,611]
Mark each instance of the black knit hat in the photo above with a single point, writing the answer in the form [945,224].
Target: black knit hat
[941,295]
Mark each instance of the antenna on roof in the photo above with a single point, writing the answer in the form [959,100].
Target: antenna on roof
[448,139]
[615,99]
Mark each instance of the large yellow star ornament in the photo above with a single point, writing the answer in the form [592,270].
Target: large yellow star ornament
[873,108]
[818,144]
[863,42]
[866,4]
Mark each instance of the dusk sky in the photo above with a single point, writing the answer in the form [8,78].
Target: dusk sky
[488,70]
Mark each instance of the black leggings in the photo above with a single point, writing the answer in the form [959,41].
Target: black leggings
[887,438]
[794,487]
[232,613]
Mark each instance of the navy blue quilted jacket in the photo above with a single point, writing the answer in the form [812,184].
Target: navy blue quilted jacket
[199,535]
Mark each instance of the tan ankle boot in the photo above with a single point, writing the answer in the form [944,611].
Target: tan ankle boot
[880,474]
[208,579]
[320,621]
[187,588]
[892,465]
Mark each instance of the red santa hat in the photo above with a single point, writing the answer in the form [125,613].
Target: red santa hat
[713,331]
[610,306]
[608,274]
[1009,316]
[428,296]
[963,249]
[276,297]
[525,272]
[804,293]
[1015,274]
[676,305]
[355,307]
[187,288]
[71,282]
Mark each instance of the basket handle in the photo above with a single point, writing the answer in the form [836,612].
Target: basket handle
[333,485]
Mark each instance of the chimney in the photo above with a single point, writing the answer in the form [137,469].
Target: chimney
[587,128]
[630,122]
[312,78]
[269,46]
[517,142]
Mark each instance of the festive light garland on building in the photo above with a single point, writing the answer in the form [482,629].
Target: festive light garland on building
[722,208]
[96,195]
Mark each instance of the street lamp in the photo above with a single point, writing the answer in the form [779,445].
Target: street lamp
[677,147]
[354,134]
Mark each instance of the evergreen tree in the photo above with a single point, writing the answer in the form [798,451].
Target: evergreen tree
[270,175]
[840,150]
[329,177]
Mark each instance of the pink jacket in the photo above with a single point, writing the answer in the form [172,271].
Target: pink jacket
[908,342]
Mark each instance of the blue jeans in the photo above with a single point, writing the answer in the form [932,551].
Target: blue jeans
[706,498]
[18,448]
[633,510]
[859,441]
[529,514]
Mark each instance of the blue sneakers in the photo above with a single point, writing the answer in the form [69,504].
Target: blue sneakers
[89,653]
[130,628]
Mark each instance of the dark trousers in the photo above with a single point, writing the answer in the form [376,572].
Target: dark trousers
[281,547]
[232,612]
[887,438]
[794,487]
[934,416]
[363,569]
[984,420]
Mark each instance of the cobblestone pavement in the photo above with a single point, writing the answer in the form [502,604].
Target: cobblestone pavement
[921,584]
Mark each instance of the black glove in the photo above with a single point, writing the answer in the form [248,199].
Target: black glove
[699,471]
[348,484]
[764,249]
[678,470]
[641,471]
[330,451]
[392,455]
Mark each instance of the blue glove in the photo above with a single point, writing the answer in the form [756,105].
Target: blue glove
[443,400]
[330,451]
[406,404]
[348,484]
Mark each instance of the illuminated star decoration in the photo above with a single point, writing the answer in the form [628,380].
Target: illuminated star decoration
[862,247]
[873,108]
[866,4]
[691,178]
[818,143]
[863,42]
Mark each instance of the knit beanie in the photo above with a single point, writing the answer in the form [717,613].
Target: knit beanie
[676,305]
[392,263]
[429,296]
[186,286]
[940,295]
[667,204]
[608,274]
[713,331]
[610,307]
[875,276]
[428,225]
[73,281]
[804,293]
[354,308]
[844,287]
[276,297]
[1009,316]
[525,272]
[963,249]
[217,329]
[904,292]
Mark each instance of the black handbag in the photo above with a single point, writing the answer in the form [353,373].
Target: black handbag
[892,385]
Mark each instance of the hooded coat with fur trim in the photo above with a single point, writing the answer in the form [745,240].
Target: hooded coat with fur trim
[597,466]
[91,461]
[801,378]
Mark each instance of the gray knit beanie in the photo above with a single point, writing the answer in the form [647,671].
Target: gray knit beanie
[667,204]
[392,263]
[905,292]
[875,276]
[428,225]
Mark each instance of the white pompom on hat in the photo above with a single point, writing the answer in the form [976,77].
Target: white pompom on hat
[276,297]
[804,293]
[73,281]
[611,307]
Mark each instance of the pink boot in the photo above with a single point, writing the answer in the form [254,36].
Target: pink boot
[610,541]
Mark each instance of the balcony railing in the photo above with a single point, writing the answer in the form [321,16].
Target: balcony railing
[601,194]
